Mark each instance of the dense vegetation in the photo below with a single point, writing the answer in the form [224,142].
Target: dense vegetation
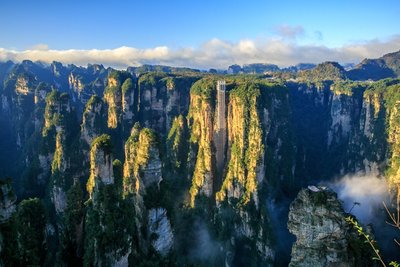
[94,153]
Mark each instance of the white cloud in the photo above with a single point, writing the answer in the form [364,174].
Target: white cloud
[290,32]
[367,190]
[40,47]
[215,53]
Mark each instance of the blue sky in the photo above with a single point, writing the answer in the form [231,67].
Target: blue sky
[190,27]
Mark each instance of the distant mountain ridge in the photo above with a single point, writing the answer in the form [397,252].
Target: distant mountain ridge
[387,66]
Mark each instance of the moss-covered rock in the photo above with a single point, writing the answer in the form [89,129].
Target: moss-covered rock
[142,166]
[118,99]
[162,97]
[101,168]
[94,120]
[31,218]
[201,125]
[324,238]
[177,144]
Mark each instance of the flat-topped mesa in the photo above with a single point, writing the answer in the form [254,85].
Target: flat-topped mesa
[101,168]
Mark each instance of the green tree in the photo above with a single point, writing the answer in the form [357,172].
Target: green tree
[31,218]
[71,238]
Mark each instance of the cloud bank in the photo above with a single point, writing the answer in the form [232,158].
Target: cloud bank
[367,190]
[215,53]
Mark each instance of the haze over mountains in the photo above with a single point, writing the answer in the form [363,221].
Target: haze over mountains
[374,69]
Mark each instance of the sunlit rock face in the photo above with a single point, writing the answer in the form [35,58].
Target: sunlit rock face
[318,221]
[279,136]
[101,168]
[94,120]
[160,226]
[161,98]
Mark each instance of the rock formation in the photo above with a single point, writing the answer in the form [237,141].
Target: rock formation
[323,237]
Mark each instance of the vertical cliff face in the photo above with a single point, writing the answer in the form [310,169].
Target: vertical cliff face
[368,146]
[142,175]
[393,114]
[119,95]
[56,113]
[346,102]
[160,227]
[128,100]
[318,222]
[109,221]
[142,169]
[339,126]
[41,92]
[323,237]
[259,151]
[163,97]
[394,131]
[245,173]
[177,144]
[113,97]
[24,84]
[101,170]
[201,187]
[259,159]
[310,116]
[23,103]
[75,83]
[59,129]
[94,120]
[58,161]
[17,119]
[246,146]
[83,83]
[58,171]
[142,166]
[201,124]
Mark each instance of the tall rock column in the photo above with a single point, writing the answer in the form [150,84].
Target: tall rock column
[94,120]
[119,96]
[142,166]
[201,124]
[109,220]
